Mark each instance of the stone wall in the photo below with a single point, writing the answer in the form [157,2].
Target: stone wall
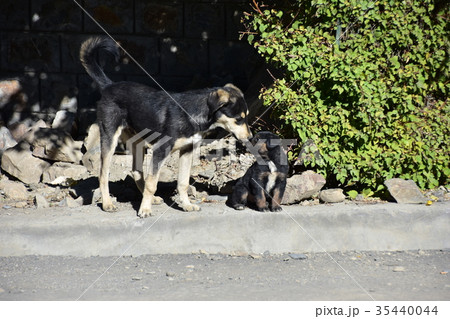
[182,44]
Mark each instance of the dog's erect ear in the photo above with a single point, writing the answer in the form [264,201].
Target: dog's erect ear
[217,99]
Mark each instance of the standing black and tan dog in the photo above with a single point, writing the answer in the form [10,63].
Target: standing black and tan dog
[181,119]
[264,182]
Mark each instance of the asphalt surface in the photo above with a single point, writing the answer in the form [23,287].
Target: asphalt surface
[405,275]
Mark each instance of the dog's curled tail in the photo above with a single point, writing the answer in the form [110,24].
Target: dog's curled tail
[88,56]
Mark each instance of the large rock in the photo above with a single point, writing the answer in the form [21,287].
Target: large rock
[19,162]
[14,190]
[405,191]
[64,174]
[302,186]
[56,145]
[332,195]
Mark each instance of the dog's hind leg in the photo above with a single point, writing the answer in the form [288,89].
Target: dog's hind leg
[238,198]
[277,195]
[184,173]
[108,145]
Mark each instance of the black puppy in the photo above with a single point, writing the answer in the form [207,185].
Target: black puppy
[265,180]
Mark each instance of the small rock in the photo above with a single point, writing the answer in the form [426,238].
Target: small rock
[216,198]
[239,253]
[21,204]
[398,269]
[208,174]
[72,203]
[136,278]
[170,274]
[41,201]
[298,256]
[405,191]
[69,202]
[14,190]
[332,195]
[190,266]
[255,256]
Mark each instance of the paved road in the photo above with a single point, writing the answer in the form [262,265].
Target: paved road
[406,275]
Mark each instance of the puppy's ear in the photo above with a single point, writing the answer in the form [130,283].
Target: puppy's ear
[235,89]
[217,99]
[273,142]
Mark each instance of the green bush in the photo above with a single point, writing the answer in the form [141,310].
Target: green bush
[367,81]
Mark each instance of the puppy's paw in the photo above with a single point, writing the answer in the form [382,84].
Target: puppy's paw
[110,208]
[157,200]
[190,207]
[239,207]
[262,209]
[276,209]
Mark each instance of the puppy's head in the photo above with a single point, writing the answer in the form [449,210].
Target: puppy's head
[229,110]
[268,142]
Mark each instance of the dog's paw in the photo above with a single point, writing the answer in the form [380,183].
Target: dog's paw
[262,209]
[157,200]
[110,208]
[144,212]
[190,207]
[239,207]
[276,209]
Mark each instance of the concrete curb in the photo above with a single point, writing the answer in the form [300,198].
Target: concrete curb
[87,231]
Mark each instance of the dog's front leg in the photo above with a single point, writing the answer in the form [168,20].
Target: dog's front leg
[151,182]
[138,154]
[184,173]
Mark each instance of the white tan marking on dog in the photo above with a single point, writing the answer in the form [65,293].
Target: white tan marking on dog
[271,178]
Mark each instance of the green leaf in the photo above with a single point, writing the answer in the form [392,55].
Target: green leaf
[352,194]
